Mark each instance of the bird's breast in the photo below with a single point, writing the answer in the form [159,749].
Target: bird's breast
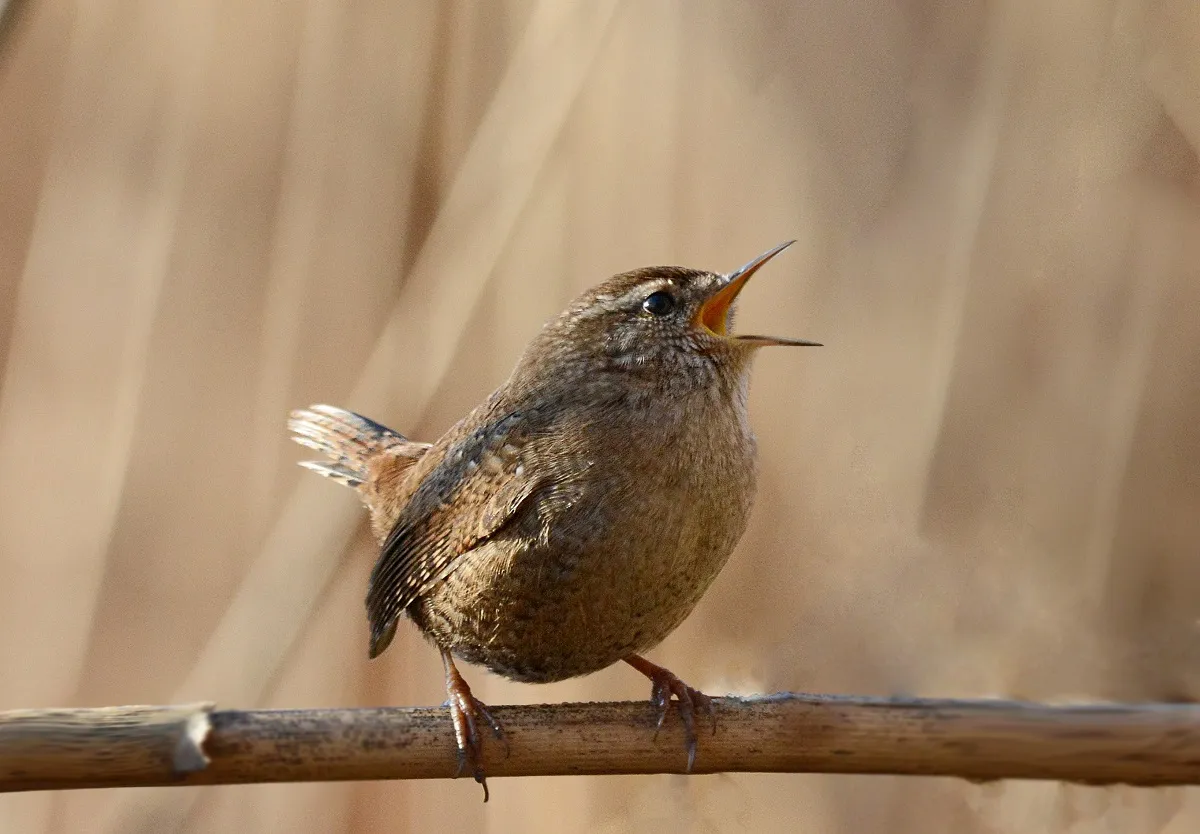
[610,561]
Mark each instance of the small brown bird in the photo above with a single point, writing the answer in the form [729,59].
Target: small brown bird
[576,517]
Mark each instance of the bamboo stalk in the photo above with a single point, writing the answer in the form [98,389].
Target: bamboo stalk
[1149,745]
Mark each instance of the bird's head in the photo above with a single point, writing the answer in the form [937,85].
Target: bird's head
[666,324]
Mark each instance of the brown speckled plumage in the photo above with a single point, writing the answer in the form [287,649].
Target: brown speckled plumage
[576,517]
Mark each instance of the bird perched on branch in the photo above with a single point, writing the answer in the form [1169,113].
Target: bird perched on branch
[576,517]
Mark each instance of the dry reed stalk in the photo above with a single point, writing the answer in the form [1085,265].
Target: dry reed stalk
[1145,745]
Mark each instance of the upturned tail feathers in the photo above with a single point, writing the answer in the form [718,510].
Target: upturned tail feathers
[352,443]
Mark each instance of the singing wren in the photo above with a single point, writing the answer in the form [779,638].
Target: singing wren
[575,517]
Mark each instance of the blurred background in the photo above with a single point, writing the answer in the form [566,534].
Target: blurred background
[987,484]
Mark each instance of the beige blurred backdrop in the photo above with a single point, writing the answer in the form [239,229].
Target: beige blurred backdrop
[986,484]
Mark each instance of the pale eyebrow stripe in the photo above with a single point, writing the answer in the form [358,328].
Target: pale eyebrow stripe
[645,288]
[631,296]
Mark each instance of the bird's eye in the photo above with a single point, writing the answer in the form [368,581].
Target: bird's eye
[659,303]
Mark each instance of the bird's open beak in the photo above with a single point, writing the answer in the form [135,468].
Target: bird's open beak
[714,313]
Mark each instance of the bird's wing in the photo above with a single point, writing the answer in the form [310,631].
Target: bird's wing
[477,488]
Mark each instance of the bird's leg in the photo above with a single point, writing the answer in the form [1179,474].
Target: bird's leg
[665,684]
[465,711]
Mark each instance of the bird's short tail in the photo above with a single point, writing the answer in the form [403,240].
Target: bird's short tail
[352,442]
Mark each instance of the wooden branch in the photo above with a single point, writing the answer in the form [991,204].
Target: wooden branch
[977,740]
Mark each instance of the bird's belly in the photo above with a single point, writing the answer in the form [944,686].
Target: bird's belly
[610,582]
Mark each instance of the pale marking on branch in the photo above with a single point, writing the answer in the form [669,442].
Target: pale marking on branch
[189,756]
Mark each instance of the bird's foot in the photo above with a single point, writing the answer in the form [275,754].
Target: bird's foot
[664,684]
[466,711]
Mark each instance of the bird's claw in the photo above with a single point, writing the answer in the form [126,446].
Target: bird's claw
[664,684]
[465,712]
